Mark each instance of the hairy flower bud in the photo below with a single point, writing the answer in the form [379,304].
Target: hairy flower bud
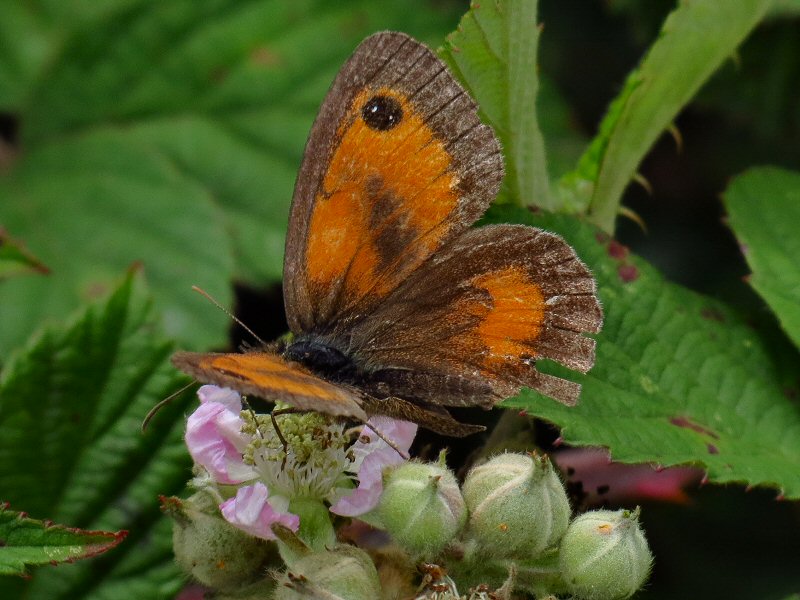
[518,506]
[422,507]
[604,555]
[345,572]
[214,552]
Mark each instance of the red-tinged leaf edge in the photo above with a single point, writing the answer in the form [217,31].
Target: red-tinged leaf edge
[92,542]
[14,251]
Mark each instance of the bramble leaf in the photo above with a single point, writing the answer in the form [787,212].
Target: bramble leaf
[679,378]
[72,450]
[15,258]
[764,209]
[28,542]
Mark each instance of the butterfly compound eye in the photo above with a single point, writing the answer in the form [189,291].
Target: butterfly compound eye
[382,113]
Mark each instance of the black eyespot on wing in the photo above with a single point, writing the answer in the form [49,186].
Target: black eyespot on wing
[382,113]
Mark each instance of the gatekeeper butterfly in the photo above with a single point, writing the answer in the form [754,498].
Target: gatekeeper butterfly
[396,305]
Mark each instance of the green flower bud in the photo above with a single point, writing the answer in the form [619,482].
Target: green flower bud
[345,572]
[518,506]
[604,555]
[421,507]
[213,551]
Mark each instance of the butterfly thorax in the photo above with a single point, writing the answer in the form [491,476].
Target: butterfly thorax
[321,358]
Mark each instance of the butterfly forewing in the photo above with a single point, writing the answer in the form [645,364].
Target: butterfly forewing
[268,375]
[397,163]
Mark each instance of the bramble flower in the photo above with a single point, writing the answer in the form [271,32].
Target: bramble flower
[310,458]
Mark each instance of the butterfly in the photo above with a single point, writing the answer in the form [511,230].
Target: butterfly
[396,305]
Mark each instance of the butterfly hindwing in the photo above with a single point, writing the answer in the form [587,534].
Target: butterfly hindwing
[397,163]
[478,316]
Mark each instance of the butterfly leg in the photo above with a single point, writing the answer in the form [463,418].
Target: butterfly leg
[277,413]
[434,418]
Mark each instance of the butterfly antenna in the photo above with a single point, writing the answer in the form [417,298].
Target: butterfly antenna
[152,413]
[404,455]
[213,301]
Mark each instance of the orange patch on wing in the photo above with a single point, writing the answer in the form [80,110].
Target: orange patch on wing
[273,378]
[271,372]
[515,318]
[408,164]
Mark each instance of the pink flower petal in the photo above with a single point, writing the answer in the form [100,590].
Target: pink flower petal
[251,512]
[215,440]
[370,485]
[402,433]
[373,455]
[212,393]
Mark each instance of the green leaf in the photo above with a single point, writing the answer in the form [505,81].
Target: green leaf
[785,8]
[764,209]
[90,206]
[695,39]
[493,52]
[28,542]
[31,35]
[15,259]
[165,133]
[679,377]
[71,447]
